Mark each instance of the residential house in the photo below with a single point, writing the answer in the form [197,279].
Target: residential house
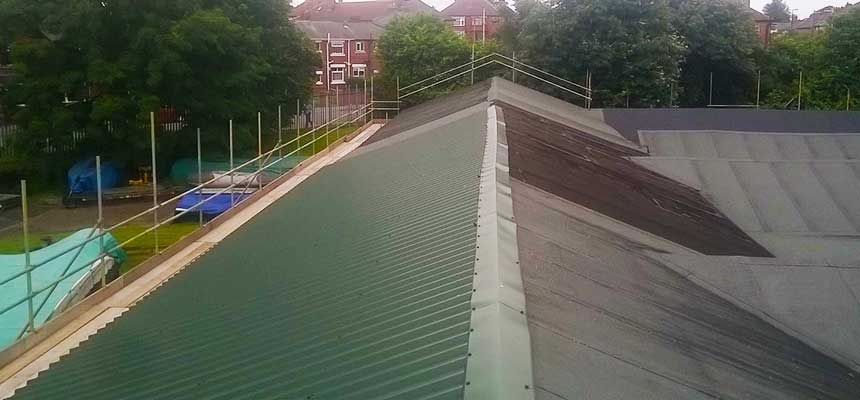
[345,48]
[345,34]
[763,25]
[817,22]
[475,19]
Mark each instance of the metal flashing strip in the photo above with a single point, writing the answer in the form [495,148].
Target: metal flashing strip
[500,363]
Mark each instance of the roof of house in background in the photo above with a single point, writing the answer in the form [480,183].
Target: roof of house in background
[498,240]
[317,30]
[474,8]
[377,11]
[821,18]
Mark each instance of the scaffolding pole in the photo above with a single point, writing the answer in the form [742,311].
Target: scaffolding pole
[154,181]
[199,178]
[232,200]
[100,220]
[31,317]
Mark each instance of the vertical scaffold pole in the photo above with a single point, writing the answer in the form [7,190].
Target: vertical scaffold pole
[100,221]
[27,267]
[154,180]
[800,91]
[232,200]
[758,91]
[260,150]
[199,178]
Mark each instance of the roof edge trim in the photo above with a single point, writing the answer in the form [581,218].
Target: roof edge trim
[500,359]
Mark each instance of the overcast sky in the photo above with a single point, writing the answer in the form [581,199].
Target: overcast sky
[803,7]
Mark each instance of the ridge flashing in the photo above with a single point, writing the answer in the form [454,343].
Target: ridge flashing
[500,360]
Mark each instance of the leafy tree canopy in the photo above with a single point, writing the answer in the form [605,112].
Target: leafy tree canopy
[720,39]
[413,48]
[830,62]
[630,47]
[778,11]
[117,60]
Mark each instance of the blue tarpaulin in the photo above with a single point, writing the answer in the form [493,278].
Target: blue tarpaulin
[218,204]
[82,176]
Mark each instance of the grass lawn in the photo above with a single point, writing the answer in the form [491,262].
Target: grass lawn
[138,251]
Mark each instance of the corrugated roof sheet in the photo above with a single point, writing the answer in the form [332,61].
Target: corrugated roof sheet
[356,285]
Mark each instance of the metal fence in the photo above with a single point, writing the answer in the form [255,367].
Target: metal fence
[305,137]
[583,92]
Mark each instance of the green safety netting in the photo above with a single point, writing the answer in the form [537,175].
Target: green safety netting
[63,259]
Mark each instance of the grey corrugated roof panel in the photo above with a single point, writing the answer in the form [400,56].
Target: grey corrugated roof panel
[611,318]
[433,110]
[356,285]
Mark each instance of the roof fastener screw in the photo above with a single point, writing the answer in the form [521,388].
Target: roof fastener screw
[471,329]
[522,312]
[527,387]
[468,383]
[473,308]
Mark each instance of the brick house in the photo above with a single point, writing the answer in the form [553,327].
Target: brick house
[475,19]
[345,34]
[763,26]
[345,48]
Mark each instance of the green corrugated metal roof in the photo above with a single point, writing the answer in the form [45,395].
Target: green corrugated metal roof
[356,285]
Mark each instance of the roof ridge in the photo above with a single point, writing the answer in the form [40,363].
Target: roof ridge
[500,361]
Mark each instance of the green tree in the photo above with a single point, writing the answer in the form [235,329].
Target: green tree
[513,22]
[721,40]
[778,11]
[844,58]
[629,46]
[117,60]
[830,62]
[416,47]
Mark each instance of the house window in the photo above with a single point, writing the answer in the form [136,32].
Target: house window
[319,47]
[477,21]
[337,75]
[337,48]
[459,21]
[319,78]
[358,70]
[359,47]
